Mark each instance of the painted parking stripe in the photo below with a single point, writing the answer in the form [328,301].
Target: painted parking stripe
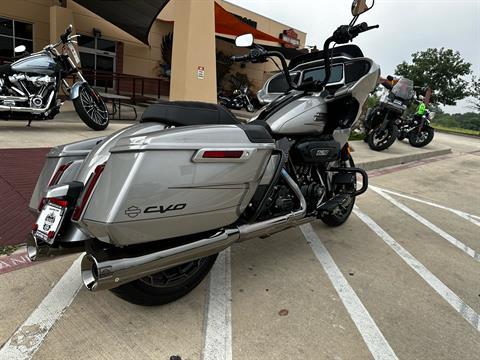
[455,242]
[29,336]
[462,214]
[218,324]
[443,290]
[371,334]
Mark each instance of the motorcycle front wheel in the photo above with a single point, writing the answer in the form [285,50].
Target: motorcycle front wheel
[379,139]
[422,138]
[168,285]
[91,108]
[341,216]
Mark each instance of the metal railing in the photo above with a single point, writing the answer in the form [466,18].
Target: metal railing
[139,88]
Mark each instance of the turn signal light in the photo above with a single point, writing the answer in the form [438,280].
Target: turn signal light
[222,154]
[89,187]
[35,227]
[51,234]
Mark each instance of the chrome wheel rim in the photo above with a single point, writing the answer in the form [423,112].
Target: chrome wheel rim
[96,111]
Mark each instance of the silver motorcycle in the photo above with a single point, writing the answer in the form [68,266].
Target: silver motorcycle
[153,204]
[29,87]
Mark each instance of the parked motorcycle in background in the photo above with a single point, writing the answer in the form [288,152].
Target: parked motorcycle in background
[29,87]
[240,98]
[417,129]
[153,204]
[383,121]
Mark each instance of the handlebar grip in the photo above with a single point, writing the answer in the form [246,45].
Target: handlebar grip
[240,58]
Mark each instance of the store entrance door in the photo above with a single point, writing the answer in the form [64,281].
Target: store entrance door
[98,59]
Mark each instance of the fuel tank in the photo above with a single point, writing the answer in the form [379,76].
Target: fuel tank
[40,63]
[304,115]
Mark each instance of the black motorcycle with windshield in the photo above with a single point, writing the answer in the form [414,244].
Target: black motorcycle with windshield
[30,86]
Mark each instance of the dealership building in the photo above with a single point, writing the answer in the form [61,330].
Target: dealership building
[116,60]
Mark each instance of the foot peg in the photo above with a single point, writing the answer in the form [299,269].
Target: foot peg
[333,204]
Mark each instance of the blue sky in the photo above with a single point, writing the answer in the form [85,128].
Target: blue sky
[406,26]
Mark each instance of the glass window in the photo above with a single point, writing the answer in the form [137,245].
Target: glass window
[23,30]
[86,41]
[106,45]
[14,33]
[6,46]
[279,83]
[6,26]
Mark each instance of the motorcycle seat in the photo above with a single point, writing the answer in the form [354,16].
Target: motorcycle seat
[5,69]
[188,113]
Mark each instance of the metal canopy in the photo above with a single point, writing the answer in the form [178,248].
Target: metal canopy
[135,17]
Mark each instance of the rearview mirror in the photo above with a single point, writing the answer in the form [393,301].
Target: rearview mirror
[20,49]
[361,6]
[245,40]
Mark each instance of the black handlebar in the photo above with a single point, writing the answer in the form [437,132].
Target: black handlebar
[342,35]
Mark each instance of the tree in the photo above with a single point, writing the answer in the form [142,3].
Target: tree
[475,93]
[441,70]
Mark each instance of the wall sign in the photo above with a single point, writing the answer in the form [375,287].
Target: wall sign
[201,72]
[290,36]
[246,20]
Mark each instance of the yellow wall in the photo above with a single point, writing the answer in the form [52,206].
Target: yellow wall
[139,59]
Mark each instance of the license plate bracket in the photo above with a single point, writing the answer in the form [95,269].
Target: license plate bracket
[49,222]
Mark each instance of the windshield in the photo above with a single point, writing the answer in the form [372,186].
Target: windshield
[318,74]
[403,89]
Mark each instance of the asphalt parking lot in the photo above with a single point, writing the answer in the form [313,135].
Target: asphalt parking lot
[398,280]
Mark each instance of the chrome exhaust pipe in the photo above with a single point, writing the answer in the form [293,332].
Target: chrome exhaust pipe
[41,251]
[104,270]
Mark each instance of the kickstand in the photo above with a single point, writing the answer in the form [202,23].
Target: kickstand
[29,122]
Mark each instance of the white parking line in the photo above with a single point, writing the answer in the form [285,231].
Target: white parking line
[443,290]
[455,242]
[218,324]
[27,339]
[371,334]
[462,214]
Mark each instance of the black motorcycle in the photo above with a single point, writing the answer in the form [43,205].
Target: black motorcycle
[240,98]
[382,122]
[417,129]
[29,87]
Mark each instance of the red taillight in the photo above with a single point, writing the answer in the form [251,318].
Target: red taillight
[59,202]
[59,173]
[51,234]
[222,154]
[89,187]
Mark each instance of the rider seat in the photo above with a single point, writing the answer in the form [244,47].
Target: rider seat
[191,113]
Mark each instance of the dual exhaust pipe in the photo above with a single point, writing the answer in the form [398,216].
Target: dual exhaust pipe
[106,270]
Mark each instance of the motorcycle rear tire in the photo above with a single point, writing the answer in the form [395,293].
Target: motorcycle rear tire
[413,137]
[392,133]
[144,292]
[80,103]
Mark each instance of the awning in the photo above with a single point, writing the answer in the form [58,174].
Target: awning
[227,24]
[135,17]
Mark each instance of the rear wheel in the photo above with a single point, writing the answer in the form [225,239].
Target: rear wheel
[379,139]
[167,285]
[91,108]
[422,138]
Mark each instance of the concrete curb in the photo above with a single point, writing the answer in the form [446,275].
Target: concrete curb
[399,160]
